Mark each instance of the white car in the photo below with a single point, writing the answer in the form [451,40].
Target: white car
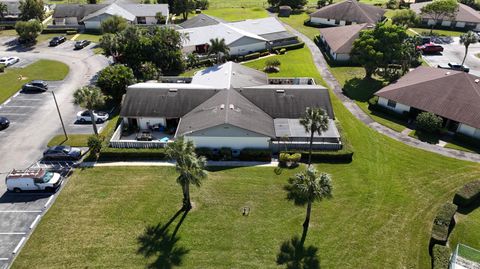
[33,180]
[84,116]
[7,61]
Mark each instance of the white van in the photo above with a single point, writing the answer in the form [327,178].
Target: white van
[33,180]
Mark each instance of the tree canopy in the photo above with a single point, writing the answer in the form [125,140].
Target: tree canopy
[28,31]
[467,39]
[3,10]
[90,98]
[182,7]
[31,9]
[114,24]
[113,80]
[291,3]
[405,17]
[439,10]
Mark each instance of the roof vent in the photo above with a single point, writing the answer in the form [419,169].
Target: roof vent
[173,90]
[231,106]
[222,106]
[280,91]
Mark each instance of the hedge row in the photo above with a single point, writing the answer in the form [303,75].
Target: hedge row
[340,156]
[290,47]
[440,257]
[468,194]
[224,154]
[258,155]
[467,140]
[59,31]
[442,222]
[118,154]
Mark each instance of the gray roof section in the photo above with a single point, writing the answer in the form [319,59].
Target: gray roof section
[199,21]
[340,39]
[145,10]
[149,102]
[292,128]
[464,13]
[227,107]
[289,102]
[230,75]
[351,10]
[278,36]
[75,10]
[91,10]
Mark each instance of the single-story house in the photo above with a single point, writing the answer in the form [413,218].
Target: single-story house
[452,95]
[229,105]
[13,11]
[347,12]
[338,41]
[465,17]
[242,37]
[91,15]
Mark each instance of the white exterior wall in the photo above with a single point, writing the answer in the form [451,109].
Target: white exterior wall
[431,21]
[446,23]
[230,142]
[142,122]
[460,24]
[246,49]
[343,57]
[92,25]
[399,108]
[477,28]
[151,20]
[342,23]
[468,130]
[322,21]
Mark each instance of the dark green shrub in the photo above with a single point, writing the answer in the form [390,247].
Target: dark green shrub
[94,142]
[440,257]
[442,222]
[117,154]
[282,51]
[226,154]
[468,194]
[373,101]
[467,140]
[202,4]
[340,156]
[58,30]
[251,56]
[290,47]
[428,122]
[71,32]
[259,155]
[208,153]
[2,68]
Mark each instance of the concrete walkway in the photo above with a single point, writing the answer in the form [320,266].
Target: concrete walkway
[172,163]
[333,84]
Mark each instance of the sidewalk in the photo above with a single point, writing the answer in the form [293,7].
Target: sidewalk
[333,84]
[172,163]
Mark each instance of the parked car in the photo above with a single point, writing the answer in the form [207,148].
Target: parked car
[62,153]
[426,40]
[455,66]
[99,116]
[57,41]
[7,61]
[33,180]
[35,86]
[4,123]
[430,48]
[82,44]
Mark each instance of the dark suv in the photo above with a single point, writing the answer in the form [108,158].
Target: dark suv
[81,44]
[57,40]
[35,86]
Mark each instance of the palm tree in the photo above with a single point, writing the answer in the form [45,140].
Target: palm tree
[218,47]
[467,39]
[89,97]
[314,121]
[307,187]
[189,166]
[3,10]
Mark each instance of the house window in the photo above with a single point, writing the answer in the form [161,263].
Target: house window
[141,20]
[392,104]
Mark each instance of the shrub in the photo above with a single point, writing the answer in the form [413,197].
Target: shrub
[58,30]
[467,140]
[272,65]
[226,154]
[251,56]
[429,122]
[290,47]
[468,194]
[392,4]
[340,156]
[2,68]
[94,142]
[260,155]
[442,222]
[74,32]
[282,51]
[390,113]
[118,154]
[202,4]
[208,153]
[114,79]
[28,31]
[373,101]
[440,257]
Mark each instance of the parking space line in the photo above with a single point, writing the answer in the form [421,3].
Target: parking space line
[17,106]
[13,114]
[35,221]
[19,245]
[25,99]
[3,259]
[20,211]
[48,202]
[13,233]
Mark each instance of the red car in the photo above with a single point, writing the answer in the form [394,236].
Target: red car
[430,48]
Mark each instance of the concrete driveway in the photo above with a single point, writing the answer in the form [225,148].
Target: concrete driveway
[454,52]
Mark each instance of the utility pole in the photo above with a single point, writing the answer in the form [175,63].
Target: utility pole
[60,116]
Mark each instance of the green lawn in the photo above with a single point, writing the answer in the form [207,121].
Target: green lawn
[92,37]
[10,32]
[296,21]
[237,14]
[461,147]
[42,69]
[467,231]
[439,32]
[74,140]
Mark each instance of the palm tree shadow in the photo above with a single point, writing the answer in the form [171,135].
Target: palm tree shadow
[157,241]
[294,255]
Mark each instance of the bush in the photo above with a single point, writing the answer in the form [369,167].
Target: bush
[28,31]
[114,79]
[2,68]
[282,51]
[340,156]
[208,153]
[440,257]
[467,140]
[468,194]
[429,122]
[289,160]
[272,65]
[290,47]
[118,154]
[94,142]
[251,56]
[442,222]
[373,101]
[58,30]
[226,154]
[72,32]
[259,155]
[202,4]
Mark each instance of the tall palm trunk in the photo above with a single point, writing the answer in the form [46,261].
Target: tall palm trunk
[465,56]
[306,222]
[94,123]
[312,132]
[187,204]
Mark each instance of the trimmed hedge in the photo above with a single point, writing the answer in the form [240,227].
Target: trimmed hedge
[440,257]
[468,194]
[340,156]
[117,154]
[442,223]
[259,155]
[290,47]
[58,30]
[251,56]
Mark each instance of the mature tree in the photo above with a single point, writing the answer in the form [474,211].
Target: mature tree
[192,60]
[202,4]
[161,19]
[295,4]
[370,51]
[322,3]
[183,7]
[114,24]
[467,39]
[314,121]
[31,9]
[190,167]
[3,10]
[439,10]
[112,46]
[28,31]
[393,4]
[405,17]
[307,187]
[295,255]
[89,98]
[114,80]
[148,71]
[219,48]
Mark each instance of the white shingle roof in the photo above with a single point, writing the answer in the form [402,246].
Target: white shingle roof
[260,26]
[202,35]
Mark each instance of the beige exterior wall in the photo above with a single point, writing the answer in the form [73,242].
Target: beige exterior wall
[143,123]
[468,130]
[399,108]
[322,21]
[230,142]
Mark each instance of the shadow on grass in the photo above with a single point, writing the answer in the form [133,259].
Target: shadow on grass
[360,89]
[157,242]
[294,255]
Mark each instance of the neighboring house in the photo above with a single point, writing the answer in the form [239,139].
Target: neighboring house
[338,41]
[91,15]
[347,12]
[242,37]
[465,17]
[13,11]
[450,94]
[227,106]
